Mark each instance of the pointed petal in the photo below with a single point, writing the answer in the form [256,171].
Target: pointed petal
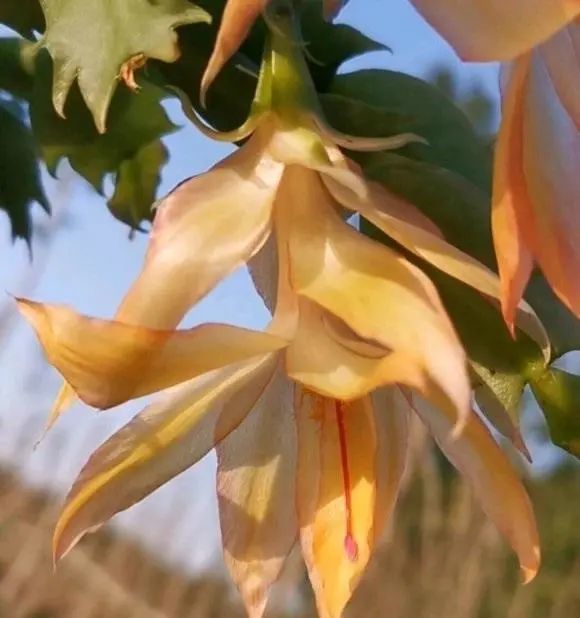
[551,160]
[317,359]
[510,200]
[255,484]
[165,439]
[483,30]
[391,417]
[203,230]
[388,213]
[493,480]
[109,362]
[237,19]
[335,495]
[332,8]
[377,293]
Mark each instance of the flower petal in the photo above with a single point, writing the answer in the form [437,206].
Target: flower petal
[493,480]
[109,362]
[165,439]
[387,212]
[237,19]
[391,417]
[377,293]
[317,360]
[551,164]
[561,54]
[203,230]
[510,196]
[335,495]
[255,484]
[484,30]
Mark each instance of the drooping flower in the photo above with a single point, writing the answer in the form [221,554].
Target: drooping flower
[536,193]
[536,203]
[314,407]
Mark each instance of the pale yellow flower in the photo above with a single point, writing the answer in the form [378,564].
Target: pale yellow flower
[309,418]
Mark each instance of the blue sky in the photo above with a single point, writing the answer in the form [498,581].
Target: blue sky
[92,262]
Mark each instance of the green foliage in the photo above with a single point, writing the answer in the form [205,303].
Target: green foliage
[20,183]
[136,185]
[135,120]
[23,16]
[91,40]
[420,108]
[558,393]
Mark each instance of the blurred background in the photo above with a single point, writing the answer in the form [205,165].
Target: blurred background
[161,559]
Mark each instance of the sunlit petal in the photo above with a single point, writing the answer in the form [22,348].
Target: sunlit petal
[551,164]
[165,439]
[317,359]
[237,19]
[483,30]
[379,294]
[256,486]
[203,230]
[335,495]
[388,213]
[109,362]
[492,478]
[510,195]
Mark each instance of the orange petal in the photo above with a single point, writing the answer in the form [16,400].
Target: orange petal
[483,30]
[332,8]
[376,292]
[165,439]
[255,485]
[510,201]
[391,417]
[335,495]
[551,164]
[203,230]
[109,362]
[237,19]
[493,480]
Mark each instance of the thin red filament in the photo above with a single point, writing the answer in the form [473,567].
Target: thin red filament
[350,545]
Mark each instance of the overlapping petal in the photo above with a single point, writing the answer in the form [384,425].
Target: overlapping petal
[336,492]
[165,439]
[487,30]
[109,362]
[400,221]
[536,184]
[551,160]
[492,478]
[255,487]
[377,293]
[317,359]
[203,230]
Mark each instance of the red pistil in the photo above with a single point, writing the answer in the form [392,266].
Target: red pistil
[350,545]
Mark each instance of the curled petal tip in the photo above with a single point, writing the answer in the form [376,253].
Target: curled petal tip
[529,571]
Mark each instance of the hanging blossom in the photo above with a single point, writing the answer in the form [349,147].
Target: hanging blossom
[310,417]
[536,189]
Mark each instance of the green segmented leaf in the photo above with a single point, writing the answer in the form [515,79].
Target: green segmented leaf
[20,184]
[90,41]
[136,185]
[136,119]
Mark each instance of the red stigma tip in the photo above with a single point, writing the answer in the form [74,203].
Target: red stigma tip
[351,548]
